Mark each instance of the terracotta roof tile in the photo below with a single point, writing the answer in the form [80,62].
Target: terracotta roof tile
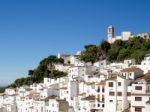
[146,77]
[82,94]
[131,69]
[89,98]
[102,83]
[142,94]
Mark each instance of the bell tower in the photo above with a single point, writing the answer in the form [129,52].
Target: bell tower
[110,33]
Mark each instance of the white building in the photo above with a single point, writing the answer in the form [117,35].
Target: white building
[10,91]
[140,99]
[102,64]
[75,61]
[112,38]
[114,87]
[117,92]
[130,62]
[80,71]
[62,67]
[144,35]
[145,64]
[56,105]
[87,104]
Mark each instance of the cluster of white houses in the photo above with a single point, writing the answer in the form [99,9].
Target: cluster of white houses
[98,87]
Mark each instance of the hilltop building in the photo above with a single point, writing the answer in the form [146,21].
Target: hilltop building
[144,35]
[112,38]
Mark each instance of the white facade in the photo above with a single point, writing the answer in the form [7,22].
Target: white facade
[10,91]
[62,67]
[130,62]
[102,64]
[80,71]
[57,105]
[145,64]
[75,61]
[114,87]
[140,98]
[126,35]
[144,35]
[112,38]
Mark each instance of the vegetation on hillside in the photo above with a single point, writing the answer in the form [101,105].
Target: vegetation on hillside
[2,89]
[136,48]
[45,69]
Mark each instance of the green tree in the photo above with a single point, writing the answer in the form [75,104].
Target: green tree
[89,54]
[112,55]
[123,54]
[30,72]
[138,55]
[103,48]
[40,72]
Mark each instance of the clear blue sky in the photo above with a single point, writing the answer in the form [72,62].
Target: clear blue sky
[33,29]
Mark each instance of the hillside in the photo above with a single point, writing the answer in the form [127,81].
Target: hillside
[135,48]
[37,75]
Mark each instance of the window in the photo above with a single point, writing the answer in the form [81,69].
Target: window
[128,93]
[93,105]
[111,101]
[111,93]
[98,97]
[138,98]
[52,105]
[137,109]
[103,97]
[110,30]
[103,105]
[119,83]
[119,93]
[98,90]
[138,87]
[110,84]
[98,105]
[103,89]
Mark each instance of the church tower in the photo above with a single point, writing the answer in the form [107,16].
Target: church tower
[110,34]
